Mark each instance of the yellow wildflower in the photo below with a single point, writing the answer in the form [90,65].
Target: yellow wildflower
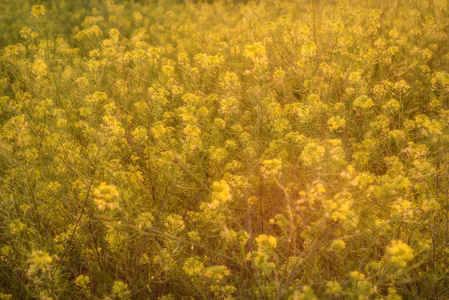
[399,253]
[38,11]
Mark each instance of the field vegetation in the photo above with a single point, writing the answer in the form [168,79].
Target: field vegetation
[293,149]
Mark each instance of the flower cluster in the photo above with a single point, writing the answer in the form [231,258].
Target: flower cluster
[399,253]
[106,197]
[224,149]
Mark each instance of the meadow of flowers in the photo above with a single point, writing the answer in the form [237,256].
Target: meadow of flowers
[293,149]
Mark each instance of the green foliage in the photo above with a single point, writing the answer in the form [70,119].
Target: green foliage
[222,149]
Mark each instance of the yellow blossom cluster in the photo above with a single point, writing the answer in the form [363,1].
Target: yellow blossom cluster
[224,149]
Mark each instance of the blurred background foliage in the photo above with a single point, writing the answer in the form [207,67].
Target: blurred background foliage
[64,15]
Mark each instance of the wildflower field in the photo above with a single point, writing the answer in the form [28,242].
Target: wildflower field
[177,149]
